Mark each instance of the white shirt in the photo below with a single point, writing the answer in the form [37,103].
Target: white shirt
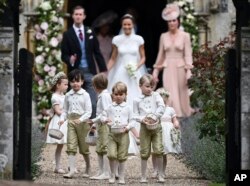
[148,104]
[119,114]
[103,102]
[78,103]
[77,30]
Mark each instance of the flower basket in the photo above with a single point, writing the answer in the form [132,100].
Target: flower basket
[91,138]
[56,133]
[152,122]
[117,129]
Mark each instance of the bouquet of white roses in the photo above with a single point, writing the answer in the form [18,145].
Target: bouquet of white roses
[131,69]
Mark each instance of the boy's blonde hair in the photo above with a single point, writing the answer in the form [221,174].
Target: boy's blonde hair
[119,88]
[100,81]
[145,78]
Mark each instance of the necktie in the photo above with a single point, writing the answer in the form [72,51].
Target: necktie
[80,35]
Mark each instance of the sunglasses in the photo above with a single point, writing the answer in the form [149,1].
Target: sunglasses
[173,20]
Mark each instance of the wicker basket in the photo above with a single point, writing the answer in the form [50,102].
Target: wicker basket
[91,139]
[154,125]
[117,129]
[56,133]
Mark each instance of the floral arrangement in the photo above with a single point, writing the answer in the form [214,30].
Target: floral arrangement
[131,69]
[163,92]
[175,135]
[188,21]
[48,35]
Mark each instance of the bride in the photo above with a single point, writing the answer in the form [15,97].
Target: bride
[127,63]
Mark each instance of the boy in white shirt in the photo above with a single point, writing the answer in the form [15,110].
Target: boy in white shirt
[100,84]
[118,114]
[78,109]
[149,102]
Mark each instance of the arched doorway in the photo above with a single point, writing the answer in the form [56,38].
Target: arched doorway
[150,23]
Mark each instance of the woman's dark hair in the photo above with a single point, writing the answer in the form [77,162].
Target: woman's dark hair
[76,75]
[128,16]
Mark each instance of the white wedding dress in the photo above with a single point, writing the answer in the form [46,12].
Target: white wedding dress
[128,53]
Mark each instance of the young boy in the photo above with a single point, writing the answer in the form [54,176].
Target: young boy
[78,109]
[100,84]
[149,102]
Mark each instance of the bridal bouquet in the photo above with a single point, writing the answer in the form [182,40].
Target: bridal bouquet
[175,135]
[131,69]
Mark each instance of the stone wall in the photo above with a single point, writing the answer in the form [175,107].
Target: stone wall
[6,101]
[221,23]
[245,97]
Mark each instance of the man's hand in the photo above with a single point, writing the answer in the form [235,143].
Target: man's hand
[72,59]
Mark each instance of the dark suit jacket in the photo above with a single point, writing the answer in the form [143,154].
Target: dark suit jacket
[70,45]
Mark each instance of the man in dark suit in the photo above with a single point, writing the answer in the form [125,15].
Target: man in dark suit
[79,47]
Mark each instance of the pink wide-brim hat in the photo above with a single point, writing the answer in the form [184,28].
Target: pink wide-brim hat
[170,12]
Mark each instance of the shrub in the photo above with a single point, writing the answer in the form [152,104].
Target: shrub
[205,155]
[208,84]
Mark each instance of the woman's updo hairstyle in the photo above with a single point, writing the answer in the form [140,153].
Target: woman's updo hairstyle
[128,16]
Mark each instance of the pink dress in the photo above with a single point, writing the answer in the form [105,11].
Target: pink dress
[175,58]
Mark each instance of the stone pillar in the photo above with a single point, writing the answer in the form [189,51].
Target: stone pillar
[245,97]
[6,101]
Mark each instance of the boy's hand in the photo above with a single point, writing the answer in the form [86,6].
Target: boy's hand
[89,121]
[76,122]
[145,120]
[108,122]
[125,129]
[176,125]
[60,123]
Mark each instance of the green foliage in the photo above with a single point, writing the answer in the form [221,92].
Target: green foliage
[208,84]
[3,3]
[205,155]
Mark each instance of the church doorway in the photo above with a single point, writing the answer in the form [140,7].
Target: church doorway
[149,21]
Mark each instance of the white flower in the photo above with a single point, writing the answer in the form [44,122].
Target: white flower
[131,69]
[54,19]
[60,21]
[45,5]
[189,16]
[52,73]
[46,68]
[44,25]
[39,59]
[190,1]
[89,31]
[53,68]
[53,42]
[39,36]
[39,49]
[181,3]
[46,49]
[40,82]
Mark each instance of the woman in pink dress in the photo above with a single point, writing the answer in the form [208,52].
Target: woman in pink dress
[175,59]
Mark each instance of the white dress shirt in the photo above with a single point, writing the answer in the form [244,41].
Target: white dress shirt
[148,104]
[78,103]
[119,114]
[103,102]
